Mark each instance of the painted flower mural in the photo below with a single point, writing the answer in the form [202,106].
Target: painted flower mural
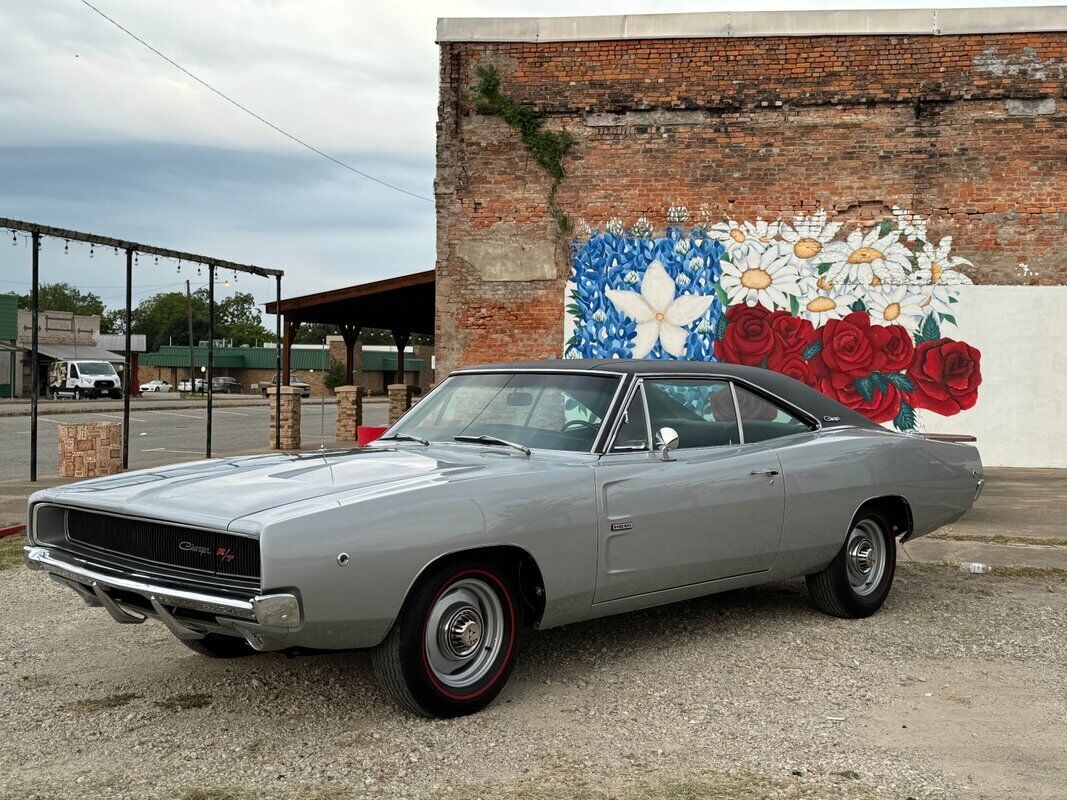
[857,316]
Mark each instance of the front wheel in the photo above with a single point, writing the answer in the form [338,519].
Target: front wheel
[77,394]
[454,645]
[856,583]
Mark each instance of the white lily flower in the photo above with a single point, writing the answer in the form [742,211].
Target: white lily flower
[660,316]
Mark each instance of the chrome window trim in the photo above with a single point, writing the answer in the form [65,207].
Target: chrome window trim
[609,413]
[640,378]
[637,386]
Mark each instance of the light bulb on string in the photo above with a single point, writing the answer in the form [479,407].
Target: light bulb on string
[14,239]
[235,276]
[179,266]
[198,273]
[226,284]
[66,246]
[92,250]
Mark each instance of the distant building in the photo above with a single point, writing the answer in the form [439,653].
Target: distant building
[375,367]
[61,336]
[10,382]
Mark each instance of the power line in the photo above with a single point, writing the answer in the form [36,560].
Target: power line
[252,113]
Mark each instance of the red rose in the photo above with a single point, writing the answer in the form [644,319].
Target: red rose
[794,333]
[946,374]
[793,365]
[749,338]
[846,347]
[893,347]
[882,407]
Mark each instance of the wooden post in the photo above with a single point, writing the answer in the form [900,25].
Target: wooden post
[401,338]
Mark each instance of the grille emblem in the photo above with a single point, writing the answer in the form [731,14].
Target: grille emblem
[194,548]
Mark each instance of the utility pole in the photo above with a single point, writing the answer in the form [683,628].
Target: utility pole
[189,303]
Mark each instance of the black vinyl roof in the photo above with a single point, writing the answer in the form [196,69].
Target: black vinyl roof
[792,391]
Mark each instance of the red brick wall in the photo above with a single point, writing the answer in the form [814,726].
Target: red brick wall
[969,130]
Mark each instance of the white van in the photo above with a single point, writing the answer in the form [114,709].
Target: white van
[80,379]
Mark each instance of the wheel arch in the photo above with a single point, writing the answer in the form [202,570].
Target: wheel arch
[516,561]
[894,508]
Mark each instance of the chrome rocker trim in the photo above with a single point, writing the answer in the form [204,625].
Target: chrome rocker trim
[279,611]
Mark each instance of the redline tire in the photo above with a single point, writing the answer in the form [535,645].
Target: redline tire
[470,605]
[840,589]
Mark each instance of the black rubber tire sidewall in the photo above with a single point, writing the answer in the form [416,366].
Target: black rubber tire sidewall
[432,697]
[831,589]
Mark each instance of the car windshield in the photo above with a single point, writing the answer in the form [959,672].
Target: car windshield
[95,368]
[553,411]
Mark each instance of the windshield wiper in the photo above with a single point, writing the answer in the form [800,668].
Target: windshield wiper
[407,437]
[483,439]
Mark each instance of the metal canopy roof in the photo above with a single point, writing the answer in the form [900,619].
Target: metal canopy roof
[403,303]
[79,352]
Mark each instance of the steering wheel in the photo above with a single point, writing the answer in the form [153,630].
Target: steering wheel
[579,422]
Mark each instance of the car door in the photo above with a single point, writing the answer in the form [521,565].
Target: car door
[714,510]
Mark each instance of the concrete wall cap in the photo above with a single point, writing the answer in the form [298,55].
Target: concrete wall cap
[284,390]
[718,24]
[346,389]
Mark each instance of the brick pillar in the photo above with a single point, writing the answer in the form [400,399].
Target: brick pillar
[349,412]
[90,450]
[399,401]
[290,417]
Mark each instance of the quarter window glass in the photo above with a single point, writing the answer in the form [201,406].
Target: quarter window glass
[633,431]
[763,420]
[73,371]
[701,411]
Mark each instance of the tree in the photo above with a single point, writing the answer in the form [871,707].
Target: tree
[164,317]
[65,297]
[335,376]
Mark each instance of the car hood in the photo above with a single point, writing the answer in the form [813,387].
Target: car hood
[218,492]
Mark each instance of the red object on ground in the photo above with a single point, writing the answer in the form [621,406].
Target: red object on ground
[12,530]
[365,434]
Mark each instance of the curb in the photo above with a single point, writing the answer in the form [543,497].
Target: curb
[11,530]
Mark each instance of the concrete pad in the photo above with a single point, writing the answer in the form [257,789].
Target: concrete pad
[996,555]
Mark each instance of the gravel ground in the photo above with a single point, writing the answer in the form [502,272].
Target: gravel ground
[958,688]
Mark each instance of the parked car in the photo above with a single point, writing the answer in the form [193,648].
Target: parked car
[513,495]
[183,386]
[305,388]
[80,379]
[156,386]
[225,385]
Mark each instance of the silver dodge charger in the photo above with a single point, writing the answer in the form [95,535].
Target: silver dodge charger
[514,495]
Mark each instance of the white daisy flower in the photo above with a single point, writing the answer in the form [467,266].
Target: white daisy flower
[760,276]
[868,259]
[912,226]
[823,300]
[893,305]
[660,316]
[763,232]
[937,275]
[807,236]
[734,237]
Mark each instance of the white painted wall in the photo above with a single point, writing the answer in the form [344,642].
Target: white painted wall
[1020,418]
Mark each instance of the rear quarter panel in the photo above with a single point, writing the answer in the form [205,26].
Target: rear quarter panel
[829,474]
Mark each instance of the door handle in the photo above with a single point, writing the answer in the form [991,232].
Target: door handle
[766,473]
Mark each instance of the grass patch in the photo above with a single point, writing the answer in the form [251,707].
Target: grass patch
[11,551]
[184,702]
[998,538]
[103,703]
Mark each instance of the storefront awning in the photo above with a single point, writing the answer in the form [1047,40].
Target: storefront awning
[78,352]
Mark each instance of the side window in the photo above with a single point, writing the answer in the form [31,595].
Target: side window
[763,420]
[633,430]
[73,371]
[701,411]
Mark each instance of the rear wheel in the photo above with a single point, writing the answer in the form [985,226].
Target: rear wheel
[856,583]
[216,645]
[454,645]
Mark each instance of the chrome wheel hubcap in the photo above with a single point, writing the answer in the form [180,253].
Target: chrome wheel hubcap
[865,558]
[464,633]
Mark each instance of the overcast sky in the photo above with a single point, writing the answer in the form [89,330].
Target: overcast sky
[97,133]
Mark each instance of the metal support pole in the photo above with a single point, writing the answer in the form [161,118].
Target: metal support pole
[127,377]
[278,367]
[210,351]
[35,379]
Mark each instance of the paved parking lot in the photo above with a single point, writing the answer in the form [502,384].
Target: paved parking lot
[160,435]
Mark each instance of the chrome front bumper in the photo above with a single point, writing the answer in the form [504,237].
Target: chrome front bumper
[263,619]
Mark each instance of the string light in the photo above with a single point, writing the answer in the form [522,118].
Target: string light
[235,276]
[66,246]
[92,250]
[198,270]
[14,239]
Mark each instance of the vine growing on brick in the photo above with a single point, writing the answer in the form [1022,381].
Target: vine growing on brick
[548,148]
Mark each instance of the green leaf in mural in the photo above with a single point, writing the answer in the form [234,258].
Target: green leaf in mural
[859,305]
[721,294]
[879,381]
[901,381]
[794,305]
[824,267]
[812,350]
[905,419]
[953,299]
[720,328]
[930,331]
[884,227]
[949,318]
[865,387]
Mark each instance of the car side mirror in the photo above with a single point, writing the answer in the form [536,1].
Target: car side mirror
[666,440]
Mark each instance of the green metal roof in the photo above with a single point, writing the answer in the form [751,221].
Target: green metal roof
[264,358]
[8,317]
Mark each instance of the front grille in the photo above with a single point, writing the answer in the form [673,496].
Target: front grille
[104,384]
[174,546]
